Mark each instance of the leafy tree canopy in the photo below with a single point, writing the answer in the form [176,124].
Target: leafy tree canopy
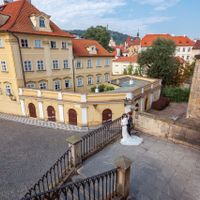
[160,62]
[100,34]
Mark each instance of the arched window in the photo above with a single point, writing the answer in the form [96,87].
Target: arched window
[42,22]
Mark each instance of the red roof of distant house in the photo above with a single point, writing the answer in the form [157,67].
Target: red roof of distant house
[197,45]
[19,13]
[148,39]
[132,41]
[131,59]
[80,48]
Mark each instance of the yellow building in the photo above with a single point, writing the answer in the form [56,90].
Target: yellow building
[92,64]
[45,73]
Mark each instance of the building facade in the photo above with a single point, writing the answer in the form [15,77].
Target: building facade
[121,65]
[92,64]
[184,44]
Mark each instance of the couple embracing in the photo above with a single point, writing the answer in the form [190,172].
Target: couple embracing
[127,125]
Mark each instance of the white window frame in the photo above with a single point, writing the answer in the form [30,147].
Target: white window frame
[107,62]
[38,44]
[27,66]
[67,81]
[89,63]
[98,64]
[90,80]
[24,43]
[107,77]
[55,64]
[40,65]
[57,85]
[184,49]
[79,81]
[1,43]
[189,49]
[78,64]
[4,66]
[42,22]
[98,78]
[8,90]
[43,85]
[66,64]
[30,85]
[53,44]
[64,45]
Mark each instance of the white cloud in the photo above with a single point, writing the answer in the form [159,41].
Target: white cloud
[81,14]
[158,4]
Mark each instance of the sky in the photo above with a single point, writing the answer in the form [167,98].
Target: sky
[179,17]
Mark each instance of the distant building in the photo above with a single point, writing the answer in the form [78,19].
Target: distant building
[92,64]
[196,48]
[122,63]
[184,44]
[112,43]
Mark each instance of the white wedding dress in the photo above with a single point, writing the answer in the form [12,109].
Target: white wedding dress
[126,138]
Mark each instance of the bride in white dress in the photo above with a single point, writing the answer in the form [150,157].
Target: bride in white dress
[126,138]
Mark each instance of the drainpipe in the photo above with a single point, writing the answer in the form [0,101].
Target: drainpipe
[20,56]
[73,75]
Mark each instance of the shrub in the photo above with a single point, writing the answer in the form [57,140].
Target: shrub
[176,94]
[102,88]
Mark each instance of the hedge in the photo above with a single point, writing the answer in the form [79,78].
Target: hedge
[176,94]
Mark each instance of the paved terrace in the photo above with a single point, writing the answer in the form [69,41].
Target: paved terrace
[26,153]
[161,170]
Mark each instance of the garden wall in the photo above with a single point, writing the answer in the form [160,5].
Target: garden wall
[166,128]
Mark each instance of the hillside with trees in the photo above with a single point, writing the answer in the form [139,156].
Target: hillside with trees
[117,36]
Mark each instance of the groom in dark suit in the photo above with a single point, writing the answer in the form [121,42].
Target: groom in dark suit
[130,123]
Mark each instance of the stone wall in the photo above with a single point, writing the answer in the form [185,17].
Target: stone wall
[194,101]
[166,128]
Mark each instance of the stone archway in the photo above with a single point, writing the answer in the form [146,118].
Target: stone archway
[51,113]
[106,116]
[32,110]
[72,114]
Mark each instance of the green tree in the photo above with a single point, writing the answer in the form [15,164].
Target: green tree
[100,34]
[159,61]
[125,72]
[130,69]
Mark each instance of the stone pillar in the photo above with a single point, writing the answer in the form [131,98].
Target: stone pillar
[75,145]
[123,175]
[61,113]
[41,110]
[84,114]
[142,101]
[151,95]
[22,104]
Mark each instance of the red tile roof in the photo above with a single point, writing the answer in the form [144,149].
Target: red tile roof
[19,20]
[148,39]
[197,45]
[80,48]
[132,59]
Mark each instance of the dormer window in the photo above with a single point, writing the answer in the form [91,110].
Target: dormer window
[42,22]
[92,49]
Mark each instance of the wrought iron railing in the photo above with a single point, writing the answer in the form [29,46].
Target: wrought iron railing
[99,138]
[54,177]
[101,187]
